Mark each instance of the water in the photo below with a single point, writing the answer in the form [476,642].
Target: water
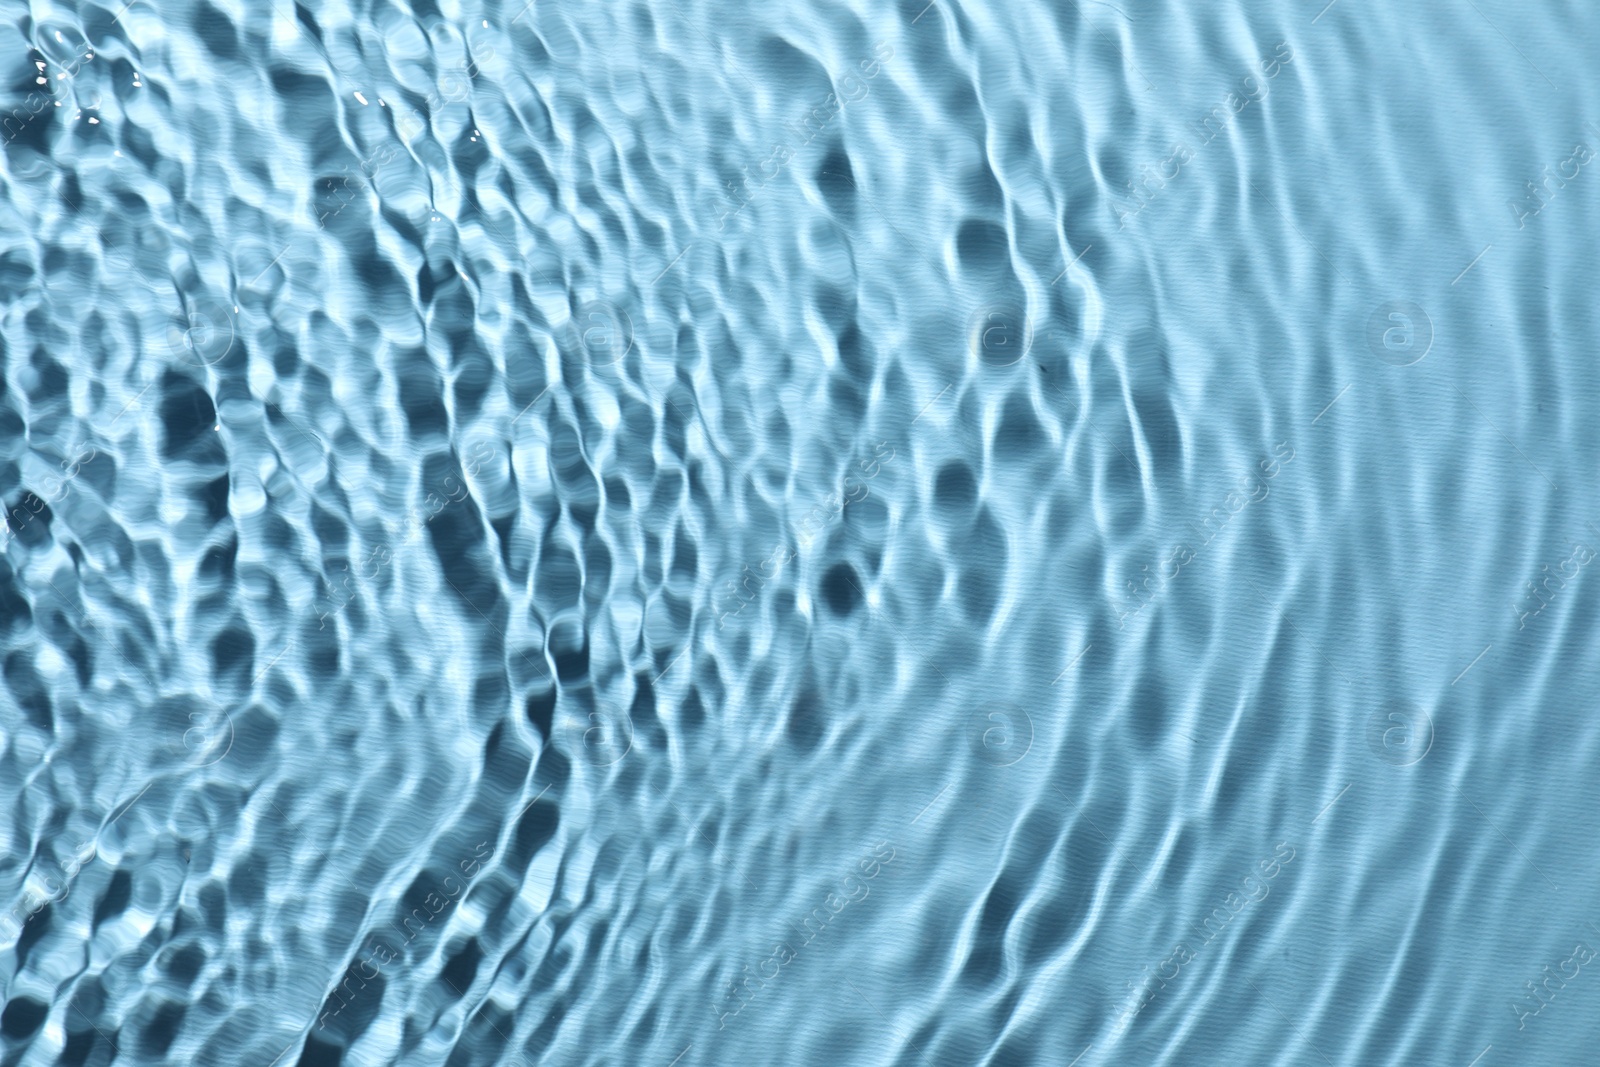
[915,534]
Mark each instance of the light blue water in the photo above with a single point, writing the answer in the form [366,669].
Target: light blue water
[849,534]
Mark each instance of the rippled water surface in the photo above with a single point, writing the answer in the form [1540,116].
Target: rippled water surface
[1041,532]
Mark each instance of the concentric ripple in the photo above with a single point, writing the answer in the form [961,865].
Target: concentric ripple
[880,533]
